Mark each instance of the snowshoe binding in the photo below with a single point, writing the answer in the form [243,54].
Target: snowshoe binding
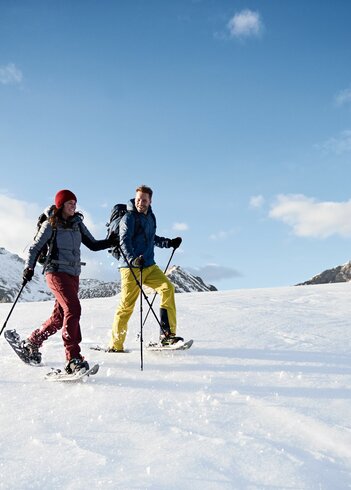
[76,366]
[170,340]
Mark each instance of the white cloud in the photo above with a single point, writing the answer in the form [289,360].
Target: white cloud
[180,227]
[256,201]
[17,224]
[343,97]
[222,235]
[245,24]
[95,229]
[10,74]
[338,145]
[309,218]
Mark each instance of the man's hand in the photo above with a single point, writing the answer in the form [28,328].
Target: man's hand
[175,242]
[138,262]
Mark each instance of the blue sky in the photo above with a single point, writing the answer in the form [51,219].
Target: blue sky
[236,113]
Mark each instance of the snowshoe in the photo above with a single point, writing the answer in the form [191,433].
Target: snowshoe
[26,351]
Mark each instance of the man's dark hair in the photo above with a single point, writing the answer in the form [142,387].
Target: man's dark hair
[145,189]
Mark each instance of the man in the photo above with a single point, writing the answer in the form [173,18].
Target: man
[137,233]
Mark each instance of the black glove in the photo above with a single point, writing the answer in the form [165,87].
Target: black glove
[175,242]
[113,239]
[138,262]
[28,274]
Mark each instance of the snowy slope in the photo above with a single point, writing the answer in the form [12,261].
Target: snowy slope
[11,270]
[261,401]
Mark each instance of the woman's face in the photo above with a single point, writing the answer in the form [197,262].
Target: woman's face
[69,208]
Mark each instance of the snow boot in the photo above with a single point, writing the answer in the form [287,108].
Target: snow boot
[32,351]
[112,349]
[166,336]
[165,330]
[170,339]
[76,365]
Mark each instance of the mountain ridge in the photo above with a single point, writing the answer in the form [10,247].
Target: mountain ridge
[341,273]
[11,267]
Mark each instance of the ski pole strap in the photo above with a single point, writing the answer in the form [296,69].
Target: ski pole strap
[52,239]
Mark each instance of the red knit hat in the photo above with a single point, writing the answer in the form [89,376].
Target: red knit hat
[63,196]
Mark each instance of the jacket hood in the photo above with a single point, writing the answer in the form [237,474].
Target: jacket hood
[131,205]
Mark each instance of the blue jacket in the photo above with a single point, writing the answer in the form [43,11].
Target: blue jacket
[137,234]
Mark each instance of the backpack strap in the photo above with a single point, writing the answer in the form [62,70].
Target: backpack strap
[51,245]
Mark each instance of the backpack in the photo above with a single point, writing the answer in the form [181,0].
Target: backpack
[45,252]
[117,213]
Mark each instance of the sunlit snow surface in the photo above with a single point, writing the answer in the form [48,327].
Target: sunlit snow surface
[261,400]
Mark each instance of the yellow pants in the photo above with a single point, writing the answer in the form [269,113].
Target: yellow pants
[155,279]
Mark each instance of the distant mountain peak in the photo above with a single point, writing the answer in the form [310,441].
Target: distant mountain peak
[341,273]
[185,282]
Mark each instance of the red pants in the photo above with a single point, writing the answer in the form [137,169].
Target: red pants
[65,316]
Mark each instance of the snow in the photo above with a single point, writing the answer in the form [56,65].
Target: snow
[261,400]
[11,267]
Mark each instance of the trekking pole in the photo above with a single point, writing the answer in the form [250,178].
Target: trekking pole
[141,321]
[14,304]
[143,292]
[153,299]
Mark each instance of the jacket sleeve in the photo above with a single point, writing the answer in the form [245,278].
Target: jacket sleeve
[126,232]
[162,242]
[89,241]
[43,236]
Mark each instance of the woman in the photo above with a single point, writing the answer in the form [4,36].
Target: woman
[65,231]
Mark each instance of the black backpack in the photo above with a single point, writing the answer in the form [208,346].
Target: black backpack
[117,213]
[45,252]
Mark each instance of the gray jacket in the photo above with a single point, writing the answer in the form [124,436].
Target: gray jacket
[65,255]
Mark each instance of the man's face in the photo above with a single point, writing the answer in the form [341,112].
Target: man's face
[142,202]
